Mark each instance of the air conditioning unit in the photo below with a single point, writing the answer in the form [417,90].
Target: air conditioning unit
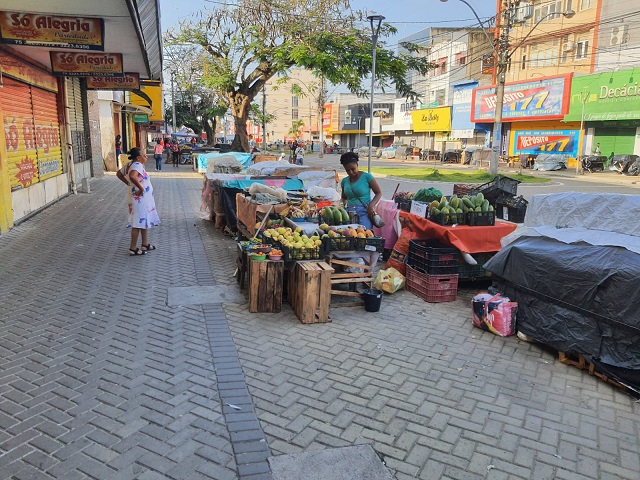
[523,12]
[568,47]
[619,35]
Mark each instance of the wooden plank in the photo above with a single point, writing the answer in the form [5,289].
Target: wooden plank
[350,275]
[324,296]
[345,293]
[350,264]
[351,280]
[279,277]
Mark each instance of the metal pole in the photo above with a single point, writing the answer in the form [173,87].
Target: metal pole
[375,31]
[173,103]
[321,100]
[581,153]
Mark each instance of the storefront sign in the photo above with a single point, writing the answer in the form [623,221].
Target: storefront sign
[563,142]
[19,70]
[51,30]
[326,117]
[432,119]
[542,99]
[464,133]
[140,118]
[130,81]
[72,64]
[461,110]
[606,96]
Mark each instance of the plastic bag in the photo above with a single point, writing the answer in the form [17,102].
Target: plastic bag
[494,313]
[389,280]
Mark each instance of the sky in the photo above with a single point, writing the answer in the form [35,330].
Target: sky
[408,16]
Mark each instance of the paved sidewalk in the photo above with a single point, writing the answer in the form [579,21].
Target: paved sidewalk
[101,378]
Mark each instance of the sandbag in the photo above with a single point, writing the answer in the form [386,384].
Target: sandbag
[389,280]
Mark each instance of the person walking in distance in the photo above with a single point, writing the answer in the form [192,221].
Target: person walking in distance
[157,154]
[299,155]
[175,153]
[142,206]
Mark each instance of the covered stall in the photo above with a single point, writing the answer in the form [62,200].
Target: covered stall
[573,269]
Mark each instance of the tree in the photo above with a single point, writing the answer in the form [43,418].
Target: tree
[197,107]
[296,125]
[252,40]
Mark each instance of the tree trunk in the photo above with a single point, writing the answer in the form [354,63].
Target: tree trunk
[240,106]
[210,130]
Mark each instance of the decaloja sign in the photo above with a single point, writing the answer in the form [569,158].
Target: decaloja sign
[606,96]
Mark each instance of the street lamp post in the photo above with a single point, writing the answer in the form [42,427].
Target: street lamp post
[173,102]
[376,21]
[501,50]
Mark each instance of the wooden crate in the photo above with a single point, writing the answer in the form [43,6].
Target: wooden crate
[265,286]
[309,291]
[352,279]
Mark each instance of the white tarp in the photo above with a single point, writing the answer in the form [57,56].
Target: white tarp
[593,218]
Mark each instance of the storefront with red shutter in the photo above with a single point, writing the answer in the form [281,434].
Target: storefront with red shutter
[30,117]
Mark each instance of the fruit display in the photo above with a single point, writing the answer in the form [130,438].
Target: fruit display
[478,211]
[446,211]
[294,244]
[335,216]
[303,211]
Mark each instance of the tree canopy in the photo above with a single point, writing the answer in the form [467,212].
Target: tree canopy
[249,42]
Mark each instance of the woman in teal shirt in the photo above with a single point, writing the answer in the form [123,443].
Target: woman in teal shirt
[357,187]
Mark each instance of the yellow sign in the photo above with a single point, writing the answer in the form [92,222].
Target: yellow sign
[432,119]
[51,30]
[16,68]
[152,90]
[130,81]
[76,64]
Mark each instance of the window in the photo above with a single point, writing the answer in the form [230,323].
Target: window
[294,102]
[442,65]
[294,114]
[582,49]
[586,4]
[461,59]
[441,96]
[568,5]
[564,49]
[523,65]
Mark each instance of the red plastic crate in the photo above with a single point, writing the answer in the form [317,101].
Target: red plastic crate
[432,288]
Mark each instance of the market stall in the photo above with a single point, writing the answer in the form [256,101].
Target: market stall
[573,270]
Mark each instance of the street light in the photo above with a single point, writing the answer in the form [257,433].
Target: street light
[503,54]
[376,21]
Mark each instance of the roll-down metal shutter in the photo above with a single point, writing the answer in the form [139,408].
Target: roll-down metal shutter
[32,133]
[77,120]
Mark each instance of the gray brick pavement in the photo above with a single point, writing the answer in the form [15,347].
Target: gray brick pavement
[91,387]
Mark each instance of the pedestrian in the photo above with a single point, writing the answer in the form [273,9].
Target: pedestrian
[292,156]
[118,146]
[357,187]
[193,142]
[299,155]
[597,149]
[175,153]
[142,206]
[282,157]
[157,153]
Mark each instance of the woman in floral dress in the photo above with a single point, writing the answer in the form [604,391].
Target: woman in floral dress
[142,207]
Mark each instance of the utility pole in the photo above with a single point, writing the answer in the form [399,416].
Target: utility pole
[503,59]
[264,117]
[321,100]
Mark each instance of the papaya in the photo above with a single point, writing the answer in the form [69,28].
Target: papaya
[435,212]
[479,198]
[345,215]
[335,214]
[491,208]
[454,201]
[485,206]
[468,202]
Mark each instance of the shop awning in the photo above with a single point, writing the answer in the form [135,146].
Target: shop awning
[131,108]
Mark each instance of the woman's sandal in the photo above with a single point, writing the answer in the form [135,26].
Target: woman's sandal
[137,251]
[148,247]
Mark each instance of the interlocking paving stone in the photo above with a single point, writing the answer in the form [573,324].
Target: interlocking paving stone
[199,295]
[97,370]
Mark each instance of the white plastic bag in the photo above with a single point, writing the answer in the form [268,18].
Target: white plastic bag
[389,280]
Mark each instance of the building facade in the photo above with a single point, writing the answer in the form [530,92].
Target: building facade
[52,119]
[293,100]
[545,42]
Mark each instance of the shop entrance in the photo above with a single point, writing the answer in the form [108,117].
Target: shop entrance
[620,141]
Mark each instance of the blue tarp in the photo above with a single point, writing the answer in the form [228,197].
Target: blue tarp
[202,160]
[284,183]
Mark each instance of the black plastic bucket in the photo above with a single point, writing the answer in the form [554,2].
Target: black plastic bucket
[372,299]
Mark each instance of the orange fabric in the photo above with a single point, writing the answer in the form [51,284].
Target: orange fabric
[463,237]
